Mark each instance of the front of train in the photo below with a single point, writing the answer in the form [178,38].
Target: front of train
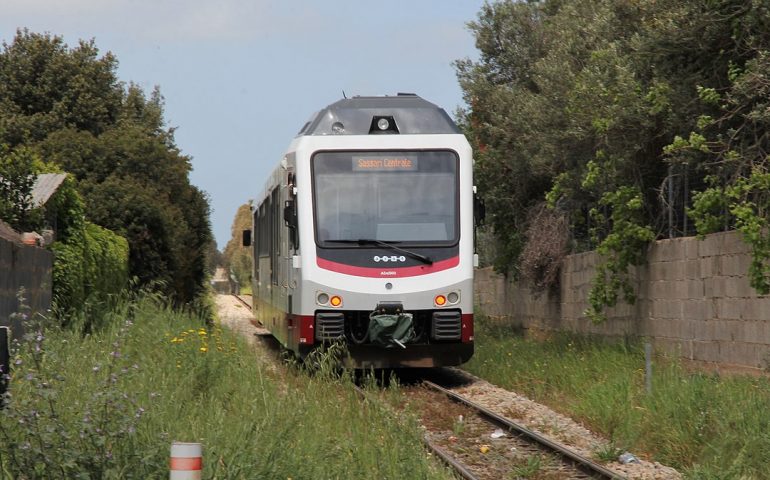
[388,265]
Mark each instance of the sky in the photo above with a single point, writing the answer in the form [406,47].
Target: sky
[241,77]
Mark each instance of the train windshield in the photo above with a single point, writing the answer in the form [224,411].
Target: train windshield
[409,197]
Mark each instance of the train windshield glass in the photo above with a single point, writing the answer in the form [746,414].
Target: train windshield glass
[400,196]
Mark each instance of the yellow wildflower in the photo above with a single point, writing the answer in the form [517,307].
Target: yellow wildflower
[204,349]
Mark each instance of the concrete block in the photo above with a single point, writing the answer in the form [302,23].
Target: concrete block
[734,265]
[739,287]
[695,310]
[704,331]
[729,308]
[668,328]
[658,288]
[668,250]
[728,330]
[714,287]
[710,267]
[692,269]
[711,308]
[706,351]
[695,289]
[660,308]
[711,245]
[733,244]
[739,353]
[757,308]
[691,248]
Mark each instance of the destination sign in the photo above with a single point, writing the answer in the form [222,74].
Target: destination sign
[384,164]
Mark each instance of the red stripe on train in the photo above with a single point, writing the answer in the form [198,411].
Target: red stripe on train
[388,272]
[466,333]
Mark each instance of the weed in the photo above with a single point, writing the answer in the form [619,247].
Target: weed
[608,452]
[529,468]
[458,427]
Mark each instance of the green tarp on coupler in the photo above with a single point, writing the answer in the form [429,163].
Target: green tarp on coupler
[390,331]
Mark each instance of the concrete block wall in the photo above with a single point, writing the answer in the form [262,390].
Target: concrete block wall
[23,266]
[693,299]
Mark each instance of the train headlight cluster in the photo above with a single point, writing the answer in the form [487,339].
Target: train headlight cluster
[324,299]
[451,298]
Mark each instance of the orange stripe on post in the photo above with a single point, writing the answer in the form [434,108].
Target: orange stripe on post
[186,463]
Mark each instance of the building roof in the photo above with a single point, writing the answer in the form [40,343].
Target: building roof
[45,186]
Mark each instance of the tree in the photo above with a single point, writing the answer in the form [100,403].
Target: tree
[68,106]
[592,105]
[237,258]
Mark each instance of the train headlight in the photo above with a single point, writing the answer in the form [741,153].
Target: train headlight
[440,300]
[335,301]
[383,124]
[453,298]
[322,298]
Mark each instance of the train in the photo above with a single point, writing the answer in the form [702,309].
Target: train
[364,235]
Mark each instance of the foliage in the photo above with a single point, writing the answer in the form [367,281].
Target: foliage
[90,271]
[705,425]
[17,169]
[68,106]
[733,150]
[108,406]
[615,90]
[237,258]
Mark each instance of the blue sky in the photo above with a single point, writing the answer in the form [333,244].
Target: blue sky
[240,77]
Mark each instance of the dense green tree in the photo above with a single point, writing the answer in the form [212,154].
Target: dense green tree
[68,106]
[577,103]
[237,258]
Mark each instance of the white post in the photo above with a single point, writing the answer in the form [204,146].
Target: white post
[186,461]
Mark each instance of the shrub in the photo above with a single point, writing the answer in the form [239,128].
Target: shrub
[90,270]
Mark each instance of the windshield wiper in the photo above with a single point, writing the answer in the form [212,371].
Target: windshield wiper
[390,245]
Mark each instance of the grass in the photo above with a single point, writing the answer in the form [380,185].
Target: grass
[108,405]
[707,426]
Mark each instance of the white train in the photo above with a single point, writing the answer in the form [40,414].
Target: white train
[370,212]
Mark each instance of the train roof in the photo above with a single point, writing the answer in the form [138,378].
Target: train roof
[404,113]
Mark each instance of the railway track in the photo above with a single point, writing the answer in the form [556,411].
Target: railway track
[519,446]
[518,450]
[562,463]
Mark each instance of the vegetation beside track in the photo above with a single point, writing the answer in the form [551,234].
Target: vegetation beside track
[108,405]
[707,426]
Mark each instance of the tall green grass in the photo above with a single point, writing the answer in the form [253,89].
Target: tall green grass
[706,425]
[108,405]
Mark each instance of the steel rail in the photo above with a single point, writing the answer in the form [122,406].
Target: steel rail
[435,449]
[580,462]
[237,297]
